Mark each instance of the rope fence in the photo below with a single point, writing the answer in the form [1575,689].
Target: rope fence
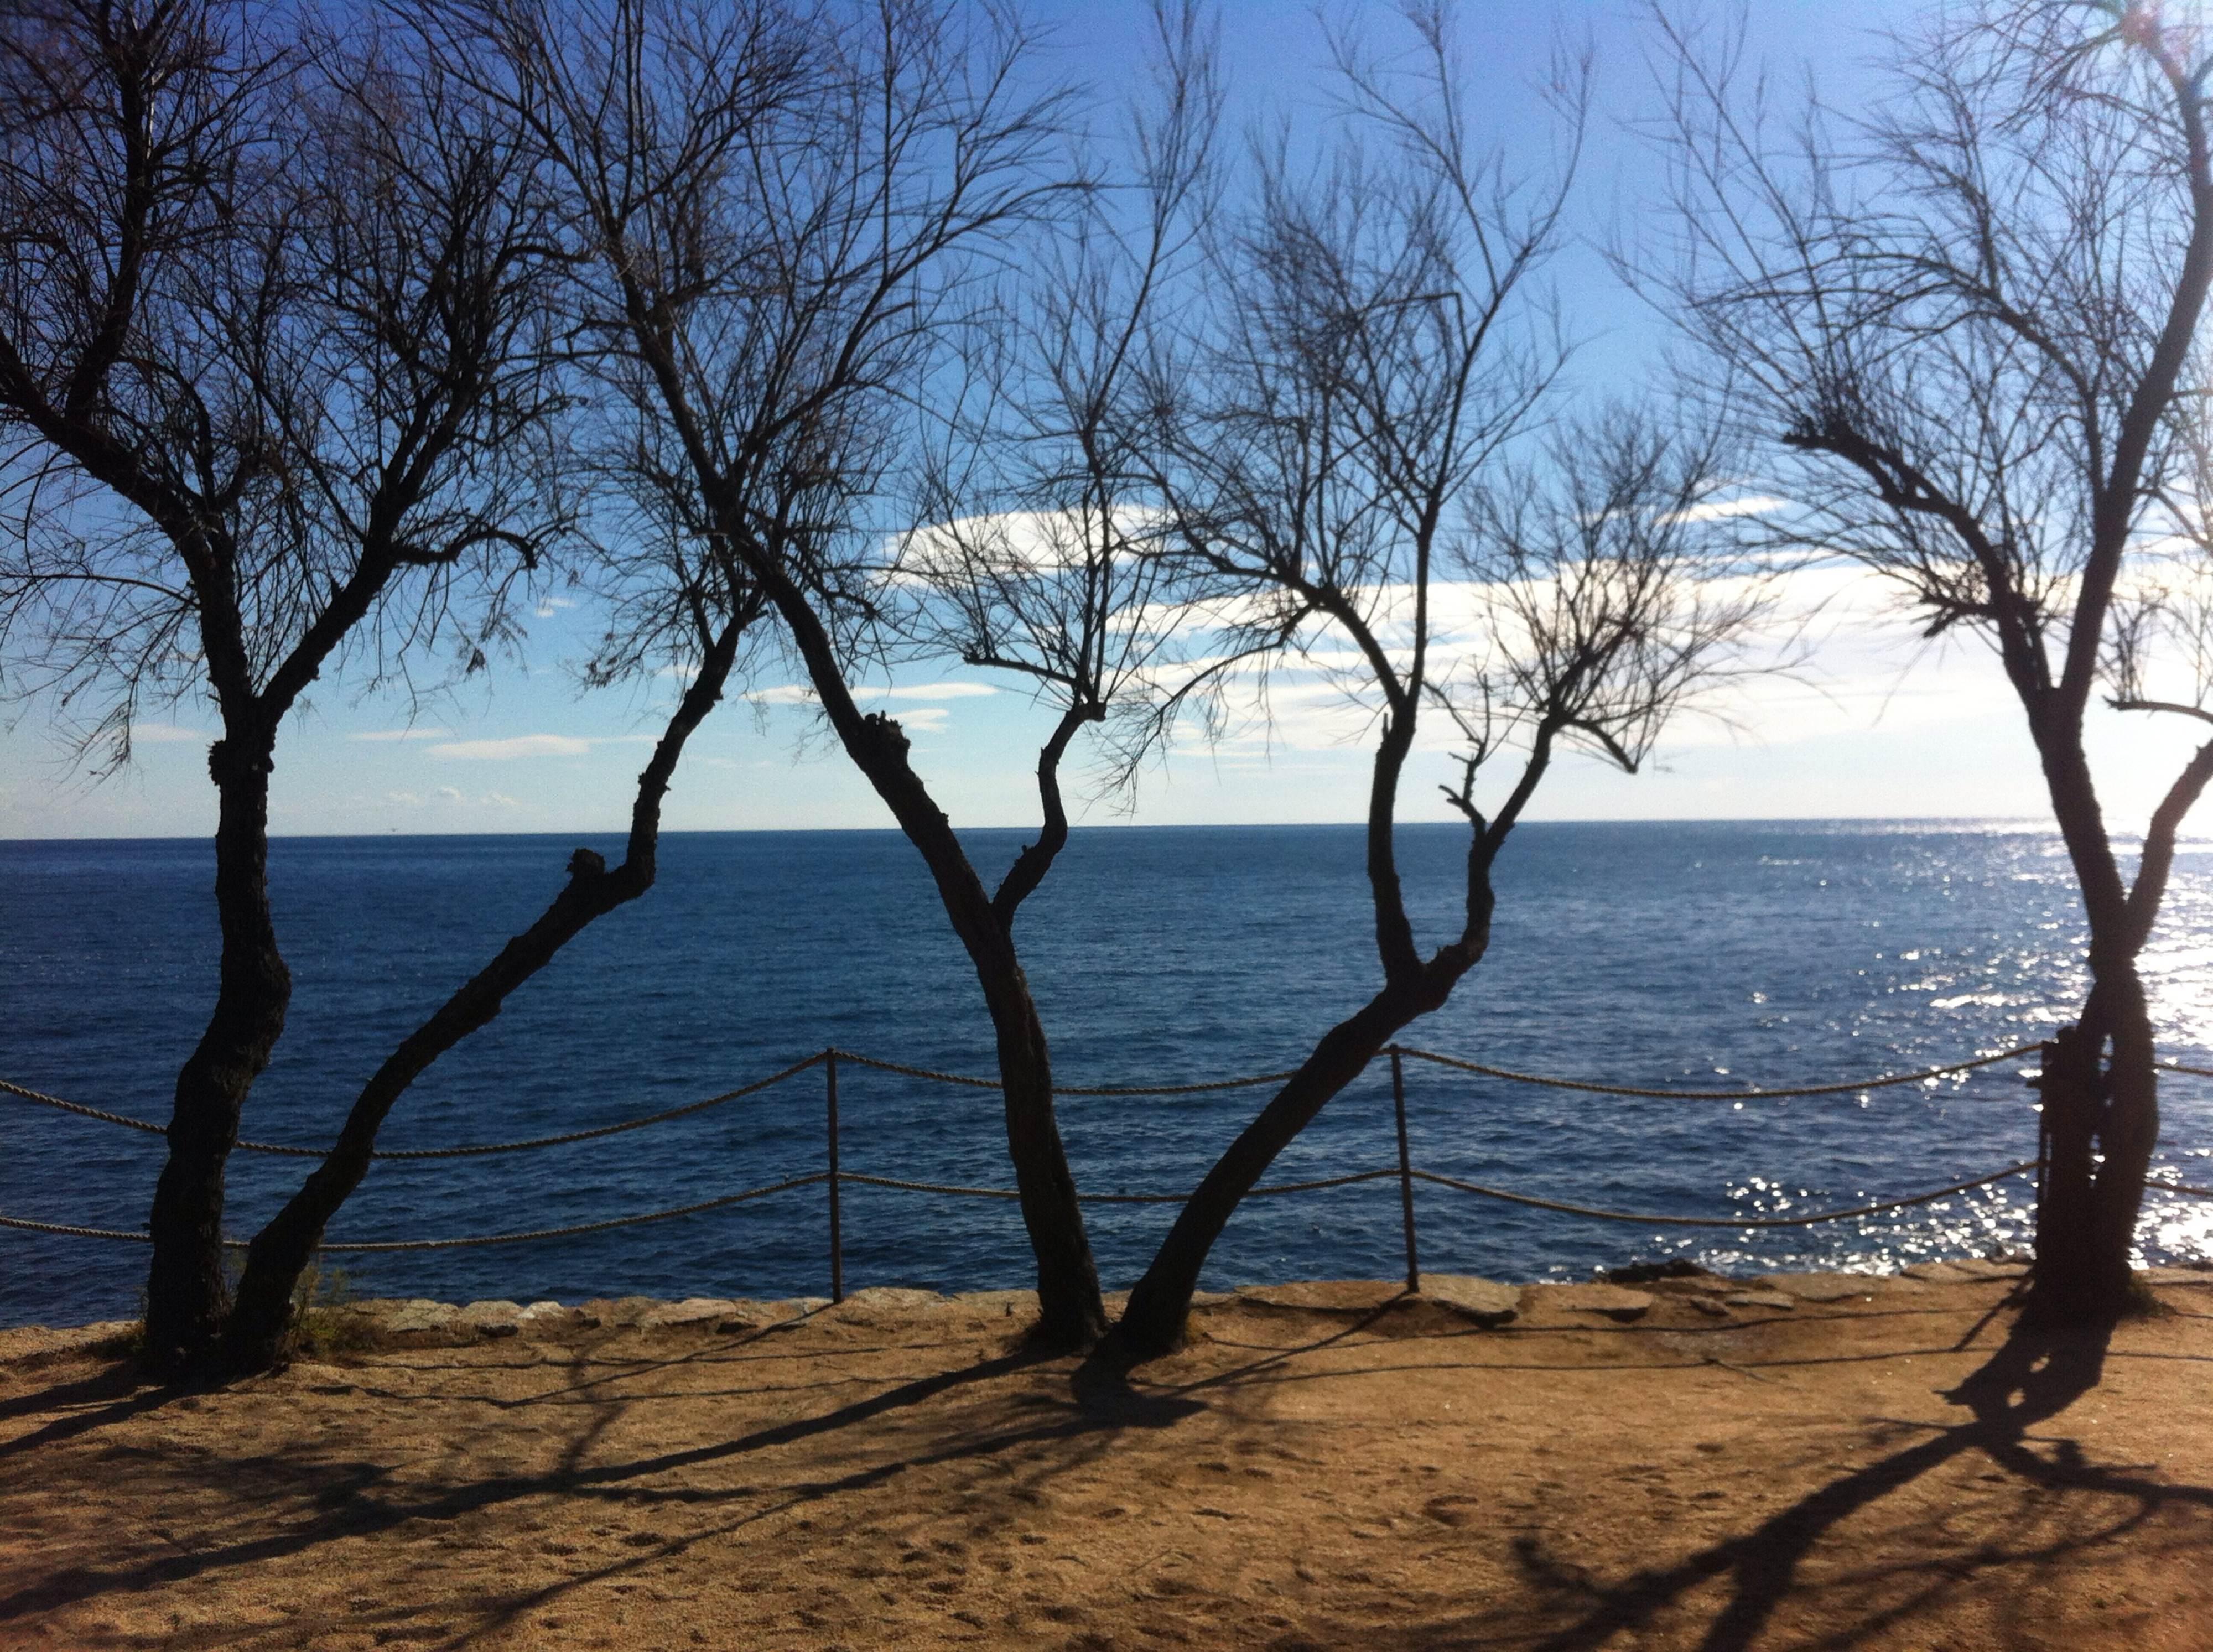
[834,1178]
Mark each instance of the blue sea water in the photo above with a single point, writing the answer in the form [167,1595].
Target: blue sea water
[1714,956]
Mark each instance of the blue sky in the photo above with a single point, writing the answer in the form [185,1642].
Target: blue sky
[1875,726]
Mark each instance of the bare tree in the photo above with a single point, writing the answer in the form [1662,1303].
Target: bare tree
[275,394]
[1041,559]
[1335,454]
[774,284]
[1966,330]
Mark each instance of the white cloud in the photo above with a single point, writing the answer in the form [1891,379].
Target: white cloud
[1714,510]
[401,734]
[803,694]
[517,746]
[929,692]
[552,606]
[165,733]
[1014,546]
[924,719]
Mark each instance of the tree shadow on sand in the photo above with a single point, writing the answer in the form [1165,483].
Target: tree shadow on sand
[2036,1374]
[357,1500]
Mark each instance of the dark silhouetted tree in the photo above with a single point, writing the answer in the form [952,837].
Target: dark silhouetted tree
[271,367]
[1965,331]
[775,290]
[1344,439]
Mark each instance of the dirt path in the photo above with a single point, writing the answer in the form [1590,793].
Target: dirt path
[1323,1468]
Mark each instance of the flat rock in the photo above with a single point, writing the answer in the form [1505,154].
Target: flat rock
[409,1316]
[492,1319]
[873,1301]
[1484,1301]
[1759,1299]
[1000,1304]
[749,1314]
[541,1317]
[1212,1298]
[1710,1305]
[798,1308]
[36,1343]
[1324,1296]
[692,1310]
[2175,1275]
[1615,1302]
[1976,1268]
[1940,1273]
[612,1312]
[1823,1287]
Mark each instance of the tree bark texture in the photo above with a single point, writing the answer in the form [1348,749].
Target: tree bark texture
[185,1291]
[255,1335]
[1153,1323]
[1071,1314]
[2102,1091]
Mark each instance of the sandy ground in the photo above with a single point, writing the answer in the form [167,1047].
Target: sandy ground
[1325,1467]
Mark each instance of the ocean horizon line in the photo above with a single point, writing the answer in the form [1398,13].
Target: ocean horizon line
[2014,822]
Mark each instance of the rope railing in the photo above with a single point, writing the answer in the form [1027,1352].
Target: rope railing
[955,1190]
[470,1151]
[1404,1171]
[634,1221]
[969,1081]
[1883,1082]
[1732,1222]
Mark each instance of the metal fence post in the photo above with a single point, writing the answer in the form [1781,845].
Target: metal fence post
[1405,1171]
[837,1237]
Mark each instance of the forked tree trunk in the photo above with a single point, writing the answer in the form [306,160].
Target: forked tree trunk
[255,1335]
[2101,1124]
[1153,1323]
[1071,1314]
[185,1291]
[2102,1090]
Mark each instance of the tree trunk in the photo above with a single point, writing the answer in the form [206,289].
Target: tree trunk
[2129,1133]
[2071,1082]
[1071,1314]
[185,1287]
[2103,1119]
[254,1335]
[1153,1324]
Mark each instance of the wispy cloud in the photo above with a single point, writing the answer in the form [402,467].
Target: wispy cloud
[1715,510]
[804,694]
[517,746]
[552,606]
[166,734]
[401,734]
[929,692]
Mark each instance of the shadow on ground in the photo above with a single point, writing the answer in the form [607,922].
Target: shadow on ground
[1286,1483]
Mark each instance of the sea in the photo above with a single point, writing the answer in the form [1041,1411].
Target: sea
[1677,957]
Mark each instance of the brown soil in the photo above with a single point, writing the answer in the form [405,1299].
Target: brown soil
[1324,1467]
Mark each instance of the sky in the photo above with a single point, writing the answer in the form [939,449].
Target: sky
[1872,724]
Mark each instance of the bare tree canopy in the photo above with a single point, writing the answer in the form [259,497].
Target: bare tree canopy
[1346,438]
[272,320]
[787,212]
[1965,331]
